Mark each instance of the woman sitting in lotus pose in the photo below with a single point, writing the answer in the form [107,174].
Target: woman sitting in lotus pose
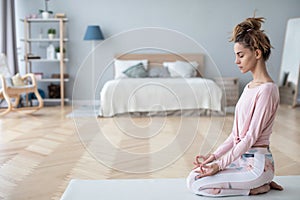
[243,164]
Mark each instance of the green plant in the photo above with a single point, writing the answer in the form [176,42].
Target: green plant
[57,50]
[49,11]
[51,31]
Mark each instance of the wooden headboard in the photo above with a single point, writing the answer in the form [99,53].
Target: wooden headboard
[158,59]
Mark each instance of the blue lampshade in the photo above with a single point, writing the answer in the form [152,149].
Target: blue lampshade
[93,32]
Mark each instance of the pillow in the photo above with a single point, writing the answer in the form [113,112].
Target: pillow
[166,64]
[136,71]
[182,69]
[17,80]
[157,72]
[122,65]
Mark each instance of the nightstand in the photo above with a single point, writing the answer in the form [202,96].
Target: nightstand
[231,87]
[287,94]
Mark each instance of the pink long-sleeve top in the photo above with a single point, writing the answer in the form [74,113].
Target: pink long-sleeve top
[253,122]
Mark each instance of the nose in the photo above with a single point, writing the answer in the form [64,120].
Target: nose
[237,60]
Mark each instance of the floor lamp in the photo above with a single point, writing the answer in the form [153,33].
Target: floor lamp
[93,33]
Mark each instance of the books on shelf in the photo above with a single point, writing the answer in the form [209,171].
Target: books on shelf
[60,15]
[45,60]
[32,56]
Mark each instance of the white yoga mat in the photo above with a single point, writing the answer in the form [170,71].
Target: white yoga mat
[163,189]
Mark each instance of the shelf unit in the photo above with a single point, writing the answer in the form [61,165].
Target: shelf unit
[61,40]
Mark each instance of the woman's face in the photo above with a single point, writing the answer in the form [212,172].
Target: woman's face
[245,58]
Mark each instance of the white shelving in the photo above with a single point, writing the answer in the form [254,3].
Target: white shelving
[29,39]
[43,40]
[52,80]
[46,60]
[45,20]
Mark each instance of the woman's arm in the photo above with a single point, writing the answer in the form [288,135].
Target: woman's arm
[263,115]
[225,147]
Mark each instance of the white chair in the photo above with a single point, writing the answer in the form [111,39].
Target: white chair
[8,91]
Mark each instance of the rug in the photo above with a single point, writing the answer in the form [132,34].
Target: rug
[84,111]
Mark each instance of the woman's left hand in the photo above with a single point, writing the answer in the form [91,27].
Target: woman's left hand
[206,159]
[208,170]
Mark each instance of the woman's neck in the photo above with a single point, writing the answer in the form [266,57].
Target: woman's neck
[260,73]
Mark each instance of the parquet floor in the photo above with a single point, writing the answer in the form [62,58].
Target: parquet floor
[40,154]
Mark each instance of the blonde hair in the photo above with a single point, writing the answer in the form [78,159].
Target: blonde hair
[249,34]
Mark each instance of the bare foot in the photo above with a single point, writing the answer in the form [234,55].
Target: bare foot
[260,190]
[275,186]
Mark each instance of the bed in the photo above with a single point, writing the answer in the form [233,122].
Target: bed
[159,84]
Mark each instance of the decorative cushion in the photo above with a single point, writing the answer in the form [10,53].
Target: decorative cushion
[122,65]
[182,69]
[136,71]
[157,72]
[17,80]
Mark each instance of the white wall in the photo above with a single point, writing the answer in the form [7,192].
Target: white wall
[208,22]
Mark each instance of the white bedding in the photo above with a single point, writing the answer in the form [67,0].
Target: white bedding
[158,94]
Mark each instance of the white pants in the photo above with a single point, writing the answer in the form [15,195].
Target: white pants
[253,169]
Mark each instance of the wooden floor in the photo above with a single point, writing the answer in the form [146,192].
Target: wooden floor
[40,154]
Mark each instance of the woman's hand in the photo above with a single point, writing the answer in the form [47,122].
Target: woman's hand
[206,159]
[207,170]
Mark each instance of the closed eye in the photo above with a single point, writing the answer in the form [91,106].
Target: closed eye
[240,54]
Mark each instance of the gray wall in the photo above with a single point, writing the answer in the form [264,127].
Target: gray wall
[208,22]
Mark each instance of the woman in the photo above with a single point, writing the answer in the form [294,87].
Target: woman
[243,164]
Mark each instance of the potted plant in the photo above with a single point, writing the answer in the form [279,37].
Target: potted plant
[45,13]
[51,33]
[57,50]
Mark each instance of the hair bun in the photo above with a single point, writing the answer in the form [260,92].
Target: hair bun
[249,34]
[253,23]
[248,25]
